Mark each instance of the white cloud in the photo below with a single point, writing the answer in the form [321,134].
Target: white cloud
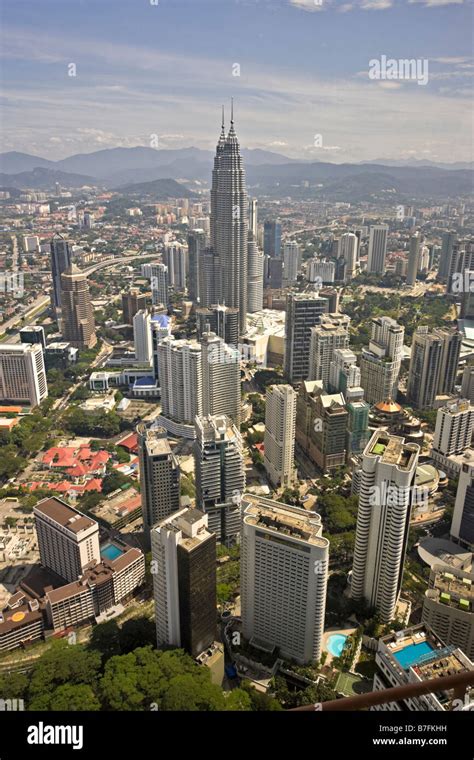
[435,3]
[309,5]
[376,5]
[162,92]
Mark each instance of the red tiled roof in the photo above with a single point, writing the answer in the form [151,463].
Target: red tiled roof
[130,442]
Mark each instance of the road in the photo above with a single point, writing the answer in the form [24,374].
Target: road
[39,305]
[99,361]
[42,301]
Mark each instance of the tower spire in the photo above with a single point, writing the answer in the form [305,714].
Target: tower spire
[222,134]
[232,134]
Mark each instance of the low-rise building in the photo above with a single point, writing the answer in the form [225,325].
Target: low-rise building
[414,655]
[448,607]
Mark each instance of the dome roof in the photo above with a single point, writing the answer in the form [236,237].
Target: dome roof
[388,407]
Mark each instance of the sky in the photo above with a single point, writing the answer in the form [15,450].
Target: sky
[155,72]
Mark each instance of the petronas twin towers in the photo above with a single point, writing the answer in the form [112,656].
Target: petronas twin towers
[229,224]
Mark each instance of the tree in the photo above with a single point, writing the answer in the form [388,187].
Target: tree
[238,700]
[105,638]
[67,698]
[135,633]
[62,664]
[13,686]
[187,694]
[114,480]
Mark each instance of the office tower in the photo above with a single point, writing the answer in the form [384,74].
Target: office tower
[273,273]
[416,655]
[413,258]
[159,475]
[131,303]
[332,295]
[33,334]
[291,262]
[320,272]
[221,392]
[377,249]
[467,387]
[448,239]
[433,365]
[332,333]
[462,525]
[424,259]
[303,311]
[160,329]
[78,324]
[220,474]
[159,284]
[448,607]
[467,297]
[221,320]
[31,243]
[88,220]
[175,257]
[196,246]
[461,264]
[348,249]
[253,218]
[255,266]
[280,421]
[358,433]
[387,478]
[180,373]
[61,257]
[454,427]
[321,425]
[272,239]
[229,224]
[284,571]
[142,337]
[344,373]
[184,582]
[22,373]
[380,362]
[209,292]
[68,541]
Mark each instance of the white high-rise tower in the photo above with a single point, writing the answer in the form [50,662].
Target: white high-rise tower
[386,494]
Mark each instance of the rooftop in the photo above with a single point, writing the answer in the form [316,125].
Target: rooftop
[292,522]
[420,651]
[392,450]
[64,515]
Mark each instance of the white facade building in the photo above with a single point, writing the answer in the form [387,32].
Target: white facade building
[142,337]
[284,567]
[280,424]
[332,333]
[377,249]
[387,477]
[22,373]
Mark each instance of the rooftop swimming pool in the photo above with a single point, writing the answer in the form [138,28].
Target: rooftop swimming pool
[110,551]
[412,654]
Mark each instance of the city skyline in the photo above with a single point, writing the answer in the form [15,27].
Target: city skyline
[295,75]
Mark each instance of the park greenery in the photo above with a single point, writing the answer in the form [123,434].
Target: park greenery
[119,670]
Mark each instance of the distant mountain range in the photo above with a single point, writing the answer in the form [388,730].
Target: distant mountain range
[270,173]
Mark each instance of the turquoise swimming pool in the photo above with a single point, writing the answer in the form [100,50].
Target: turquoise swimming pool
[412,654]
[110,551]
[335,644]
